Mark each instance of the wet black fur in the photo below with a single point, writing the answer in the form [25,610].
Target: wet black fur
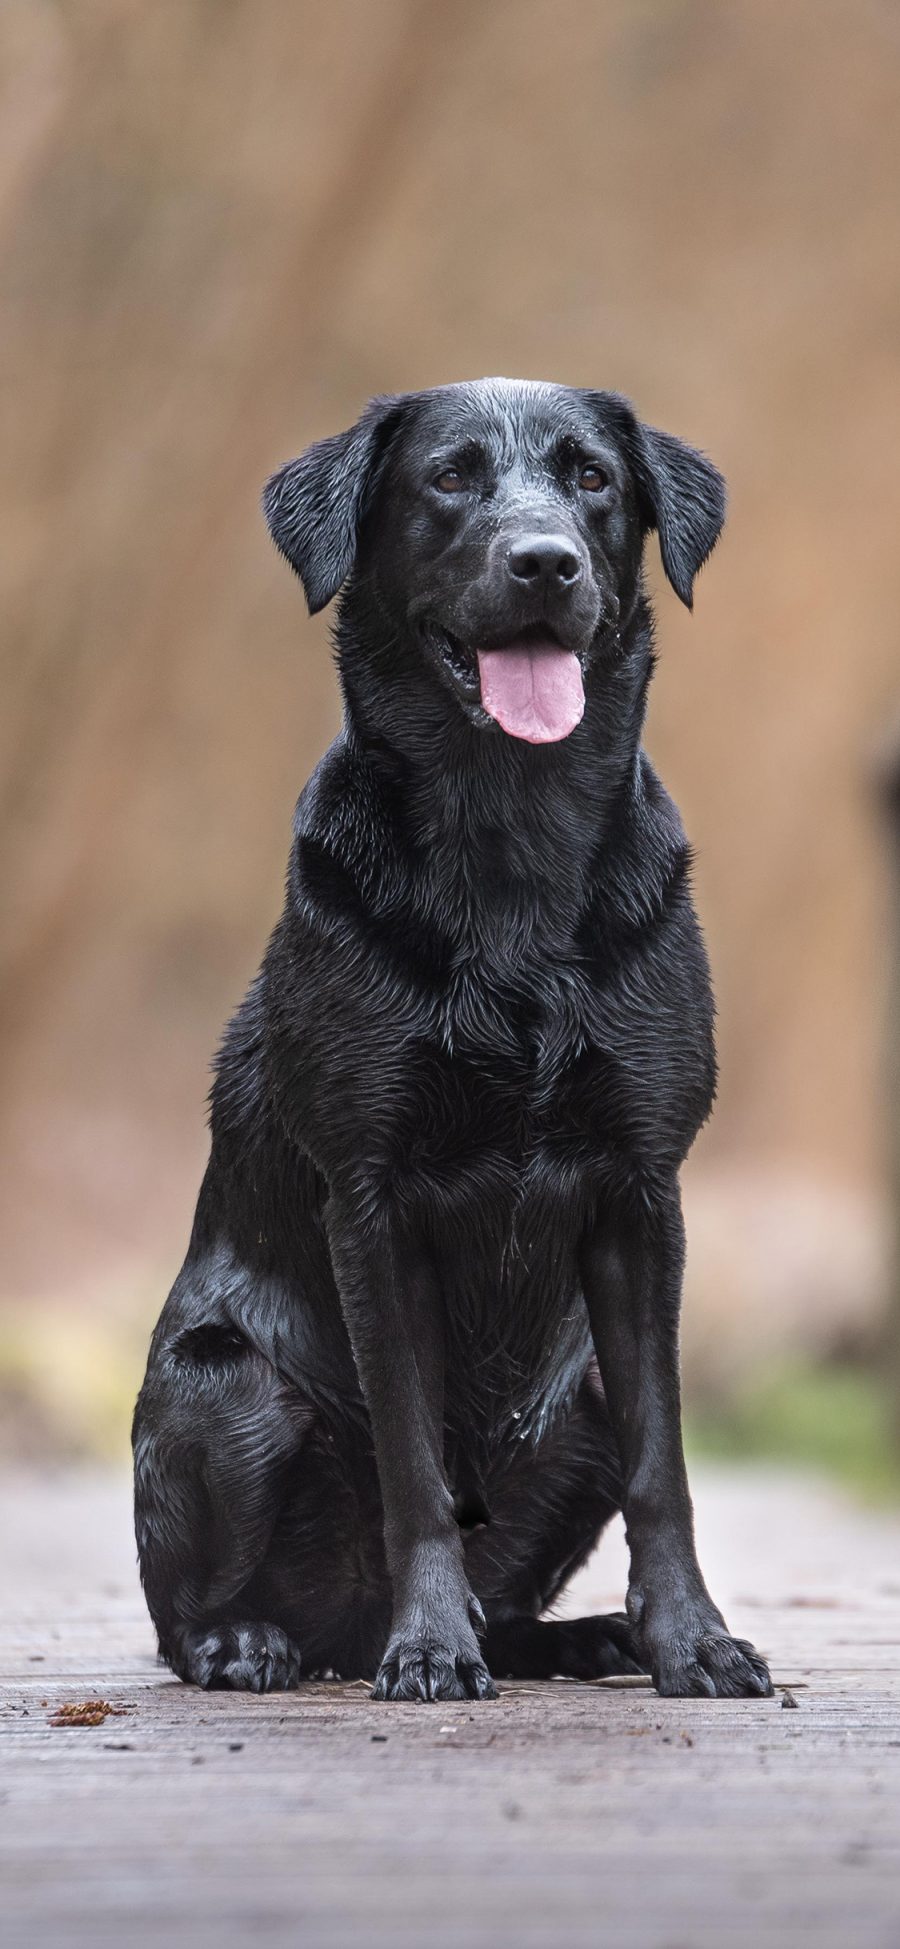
[448,1119]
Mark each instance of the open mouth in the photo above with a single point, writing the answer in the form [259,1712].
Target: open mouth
[532,686]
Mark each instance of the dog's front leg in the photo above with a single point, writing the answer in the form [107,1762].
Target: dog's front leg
[632,1269]
[392,1305]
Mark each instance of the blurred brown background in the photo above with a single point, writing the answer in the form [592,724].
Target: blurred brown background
[223,225]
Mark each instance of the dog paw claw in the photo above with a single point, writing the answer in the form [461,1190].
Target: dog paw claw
[239,1658]
[432,1671]
[715,1666]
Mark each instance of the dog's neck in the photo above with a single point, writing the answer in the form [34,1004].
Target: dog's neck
[504,829]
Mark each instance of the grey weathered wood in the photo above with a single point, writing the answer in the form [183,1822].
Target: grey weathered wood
[563,1814]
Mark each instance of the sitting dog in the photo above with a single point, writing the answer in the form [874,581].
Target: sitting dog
[425,1340]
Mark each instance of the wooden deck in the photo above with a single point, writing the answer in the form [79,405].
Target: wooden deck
[563,1815]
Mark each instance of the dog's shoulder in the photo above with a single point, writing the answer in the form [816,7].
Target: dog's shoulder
[641,939]
[355,932]
[347,842]
[640,875]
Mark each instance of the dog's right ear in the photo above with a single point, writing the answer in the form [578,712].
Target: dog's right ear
[314,505]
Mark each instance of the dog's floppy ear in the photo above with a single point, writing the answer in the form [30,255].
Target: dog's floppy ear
[682,495]
[314,505]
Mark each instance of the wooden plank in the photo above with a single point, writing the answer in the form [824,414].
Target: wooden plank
[562,1814]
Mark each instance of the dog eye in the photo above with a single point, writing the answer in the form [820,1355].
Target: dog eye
[450,481]
[593,479]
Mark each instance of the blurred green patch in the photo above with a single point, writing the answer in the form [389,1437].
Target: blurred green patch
[831,1417]
[68,1385]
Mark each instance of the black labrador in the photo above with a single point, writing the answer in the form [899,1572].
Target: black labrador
[425,1340]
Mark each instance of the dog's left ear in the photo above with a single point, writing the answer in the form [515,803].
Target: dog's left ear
[314,505]
[682,495]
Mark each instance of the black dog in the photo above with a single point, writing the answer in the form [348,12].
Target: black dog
[448,1119]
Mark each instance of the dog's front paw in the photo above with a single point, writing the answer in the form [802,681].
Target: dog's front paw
[436,1659]
[710,1664]
[428,1669]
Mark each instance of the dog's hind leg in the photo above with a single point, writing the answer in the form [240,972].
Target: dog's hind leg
[549,1506]
[582,1647]
[215,1434]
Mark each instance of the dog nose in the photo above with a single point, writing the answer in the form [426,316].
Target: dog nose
[544,558]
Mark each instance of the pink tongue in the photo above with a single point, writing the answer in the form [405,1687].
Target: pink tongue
[533,690]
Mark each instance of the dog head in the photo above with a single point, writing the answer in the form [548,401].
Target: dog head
[498,528]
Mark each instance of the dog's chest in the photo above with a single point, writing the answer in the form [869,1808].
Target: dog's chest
[493,1148]
[507,1094]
